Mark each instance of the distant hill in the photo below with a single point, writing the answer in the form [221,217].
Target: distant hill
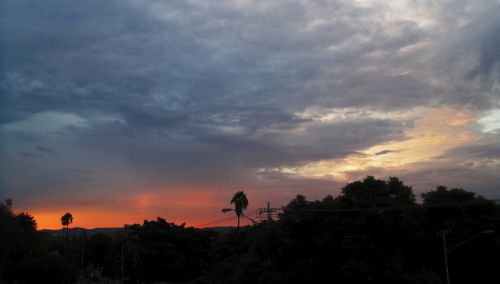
[75,232]
[79,231]
[220,229]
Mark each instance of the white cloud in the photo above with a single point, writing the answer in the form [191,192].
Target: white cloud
[46,122]
[490,122]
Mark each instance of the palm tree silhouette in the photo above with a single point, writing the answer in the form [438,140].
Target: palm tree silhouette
[67,219]
[240,203]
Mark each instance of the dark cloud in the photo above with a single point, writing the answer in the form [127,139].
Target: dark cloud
[46,150]
[486,151]
[193,149]
[176,92]
[469,60]
[144,59]
[488,39]
[478,178]
[30,155]
[383,152]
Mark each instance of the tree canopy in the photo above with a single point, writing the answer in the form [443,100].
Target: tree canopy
[372,192]
[67,219]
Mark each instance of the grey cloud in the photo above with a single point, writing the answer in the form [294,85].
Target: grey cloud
[469,164]
[485,35]
[117,57]
[383,152]
[483,180]
[490,55]
[127,156]
[213,151]
[29,154]
[469,60]
[84,170]
[46,150]
[488,151]
[189,91]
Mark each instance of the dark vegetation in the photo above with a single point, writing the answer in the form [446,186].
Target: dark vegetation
[373,232]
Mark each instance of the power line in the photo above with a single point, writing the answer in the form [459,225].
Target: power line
[214,222]
[222,220]
[405,207]
[268,212]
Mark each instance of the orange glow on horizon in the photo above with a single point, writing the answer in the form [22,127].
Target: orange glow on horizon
[191,206]
[90,220]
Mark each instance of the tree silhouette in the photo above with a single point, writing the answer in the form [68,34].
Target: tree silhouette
[67,219]
[240,203]
[455,195]
[372,192]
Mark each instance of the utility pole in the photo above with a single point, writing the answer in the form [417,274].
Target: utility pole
[268,212]
[447,251]
[121,264]
[84,235]
[445,254]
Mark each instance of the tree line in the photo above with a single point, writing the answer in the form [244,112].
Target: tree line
[374,231]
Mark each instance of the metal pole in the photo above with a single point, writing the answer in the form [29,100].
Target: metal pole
[83,252]
[121,264]
[269,213]
[445,254]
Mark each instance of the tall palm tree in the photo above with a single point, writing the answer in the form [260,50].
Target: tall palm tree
[240,203]
[67,219]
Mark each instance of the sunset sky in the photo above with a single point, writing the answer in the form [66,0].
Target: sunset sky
[118,111]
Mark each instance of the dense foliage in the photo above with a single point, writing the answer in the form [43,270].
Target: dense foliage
[24,257]
[373,232]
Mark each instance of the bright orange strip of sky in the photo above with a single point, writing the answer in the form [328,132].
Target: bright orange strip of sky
[193,207]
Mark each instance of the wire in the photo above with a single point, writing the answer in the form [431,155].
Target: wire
[417,206]
[222,220]
[214,222]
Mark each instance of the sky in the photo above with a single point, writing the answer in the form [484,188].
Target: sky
[123,110]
